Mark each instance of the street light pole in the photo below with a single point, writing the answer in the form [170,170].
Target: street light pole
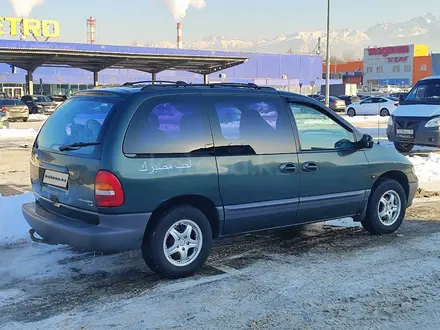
[327,60]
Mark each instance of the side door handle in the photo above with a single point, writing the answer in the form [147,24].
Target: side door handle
[309,167]
[287,168]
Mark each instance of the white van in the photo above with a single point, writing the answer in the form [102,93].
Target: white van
[417,119]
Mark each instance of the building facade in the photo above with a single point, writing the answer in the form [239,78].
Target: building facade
[282,71]
[349,72]
[396,65]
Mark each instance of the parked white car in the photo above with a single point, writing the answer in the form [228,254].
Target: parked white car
[382,105]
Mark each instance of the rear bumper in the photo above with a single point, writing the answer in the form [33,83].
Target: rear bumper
[114,232]
[338,108]
[18,115]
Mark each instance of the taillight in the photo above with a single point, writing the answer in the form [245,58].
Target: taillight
[4,109]
[108,190]
[396,104]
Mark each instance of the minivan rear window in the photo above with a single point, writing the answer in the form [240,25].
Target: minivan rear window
[79,120]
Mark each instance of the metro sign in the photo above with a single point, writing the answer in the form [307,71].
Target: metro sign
[385,51]
[29,27]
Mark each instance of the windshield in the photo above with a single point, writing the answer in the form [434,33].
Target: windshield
[79,120]
[425,92]
[41,98]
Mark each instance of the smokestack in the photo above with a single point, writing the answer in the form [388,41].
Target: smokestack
[179,35]
[91,30]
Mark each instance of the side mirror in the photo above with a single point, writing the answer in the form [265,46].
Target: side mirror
[366,141]
[402,98]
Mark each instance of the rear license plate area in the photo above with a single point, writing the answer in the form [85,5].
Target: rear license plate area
[55,179]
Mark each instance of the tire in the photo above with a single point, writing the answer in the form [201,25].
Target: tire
[403,147]
[25,119]
[384,113]
[386,191]
[161,236]
[351,112]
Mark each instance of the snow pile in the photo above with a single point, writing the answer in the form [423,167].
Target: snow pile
[37,117]
[428,171]
[13,226]
[18,133]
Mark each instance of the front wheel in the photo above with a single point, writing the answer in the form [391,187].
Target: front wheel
[386,208]
[25,119]
[351,112]
[403,147]
[384,113]
[179,243]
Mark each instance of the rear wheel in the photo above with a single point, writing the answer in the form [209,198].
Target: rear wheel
[384,113]
[25,119]
[386,208]
[403,147]
[351,112]
[178,244]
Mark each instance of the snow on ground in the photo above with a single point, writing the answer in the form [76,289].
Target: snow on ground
[14,133]
[37,117]
[13,226]
[428,171]
[366,119]
[346,222]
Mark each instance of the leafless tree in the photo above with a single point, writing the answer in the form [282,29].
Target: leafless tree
[349,55]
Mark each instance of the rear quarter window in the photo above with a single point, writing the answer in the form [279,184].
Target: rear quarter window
[171,125]
[78,120]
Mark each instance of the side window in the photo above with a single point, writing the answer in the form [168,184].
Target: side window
[251,125]
[316,130]
[367,101]
[171,125]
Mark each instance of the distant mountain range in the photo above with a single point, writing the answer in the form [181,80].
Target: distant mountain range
[345,43]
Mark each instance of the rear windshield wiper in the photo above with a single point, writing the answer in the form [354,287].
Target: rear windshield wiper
[77,145]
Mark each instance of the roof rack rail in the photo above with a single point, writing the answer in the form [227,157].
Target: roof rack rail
[158,82]
[213,85]
[239,85]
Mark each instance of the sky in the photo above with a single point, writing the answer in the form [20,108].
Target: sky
[122,22]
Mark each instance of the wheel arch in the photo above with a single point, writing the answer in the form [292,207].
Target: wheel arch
[398,176]
[200,202]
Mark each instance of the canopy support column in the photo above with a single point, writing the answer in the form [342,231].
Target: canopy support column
[30,82]
[95,78]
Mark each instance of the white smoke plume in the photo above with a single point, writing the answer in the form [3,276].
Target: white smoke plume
[179,7]
[23,8]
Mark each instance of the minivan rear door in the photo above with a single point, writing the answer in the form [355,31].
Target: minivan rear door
[66,154]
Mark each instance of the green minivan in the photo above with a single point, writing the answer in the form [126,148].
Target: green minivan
[168,167]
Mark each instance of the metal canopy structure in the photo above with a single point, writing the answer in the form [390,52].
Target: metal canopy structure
[30,59]
[95,61]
